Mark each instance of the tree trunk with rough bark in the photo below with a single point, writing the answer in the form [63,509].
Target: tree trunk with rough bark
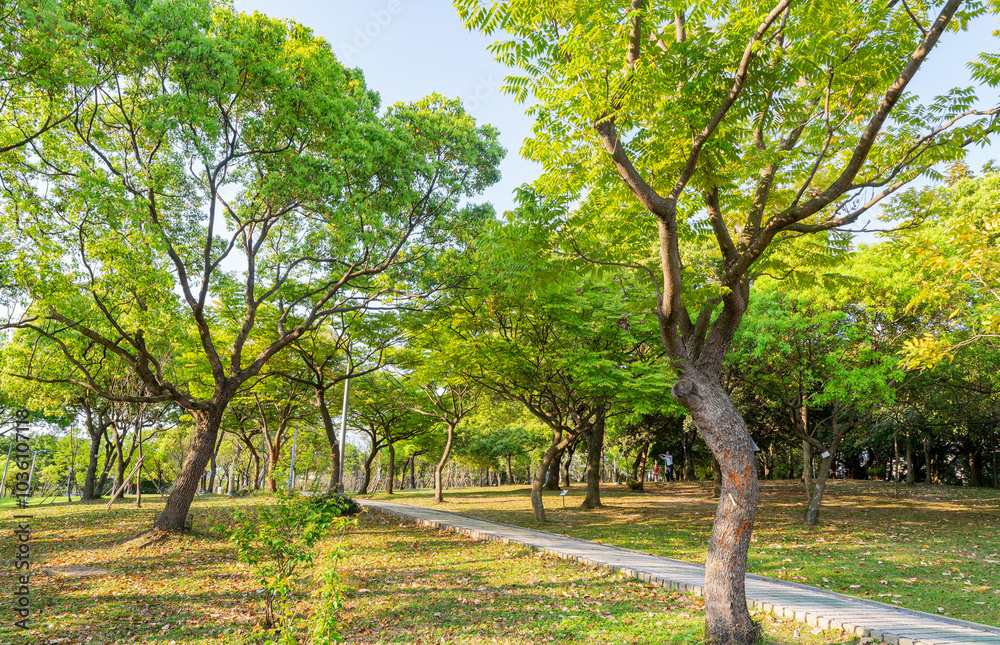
[367,476]
[90,481]
[97,431]
[595,447]
[639,466]
[723,429]
[819,488]
[976,467]
[537,484]
[272,464]
[207,423]
[552,482]
[807,474]
[439,467]
[510,472]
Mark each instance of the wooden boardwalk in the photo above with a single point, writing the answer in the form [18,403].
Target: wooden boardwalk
[815,607]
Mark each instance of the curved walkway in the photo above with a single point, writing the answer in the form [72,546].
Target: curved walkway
[816,607]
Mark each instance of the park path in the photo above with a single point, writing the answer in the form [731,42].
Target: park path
[815,607]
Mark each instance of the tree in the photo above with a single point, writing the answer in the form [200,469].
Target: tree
[377,410]
[221,139]
[827,357]
[959,247]
[350,346]
[742,126]
[41,83]
[446,397]
[562,348]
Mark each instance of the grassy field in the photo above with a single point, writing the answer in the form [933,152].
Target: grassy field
[404,584]
[936,549]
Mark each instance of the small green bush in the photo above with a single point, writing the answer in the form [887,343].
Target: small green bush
[632,484]
[277,542]
[339,505]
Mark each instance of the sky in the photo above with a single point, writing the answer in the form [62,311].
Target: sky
[410,48]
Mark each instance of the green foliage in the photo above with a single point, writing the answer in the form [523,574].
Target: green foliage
[337,504]
[276,542]
[958,251]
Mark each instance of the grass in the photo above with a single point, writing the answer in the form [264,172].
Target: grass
[404,584]
[12,503]
[935,549]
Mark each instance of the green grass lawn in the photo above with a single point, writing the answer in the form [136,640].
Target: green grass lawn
[11,502]
[404,584]
[935,547]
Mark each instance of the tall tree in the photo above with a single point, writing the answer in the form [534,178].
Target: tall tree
[739,125]
[229,177]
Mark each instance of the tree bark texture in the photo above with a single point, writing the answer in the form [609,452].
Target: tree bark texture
[538,483]
[367,476]
[595,448]
[207,423]
[723,429]
[819,488]
[552,483]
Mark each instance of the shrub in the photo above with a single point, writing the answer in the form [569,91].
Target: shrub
[276,542]
[632,484]
[339,505]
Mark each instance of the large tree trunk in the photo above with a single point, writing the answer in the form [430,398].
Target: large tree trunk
[723,429]
[552,481]
[366,478]
[538,483]
[272,463]
[413,472]
[331,436]
[976,467]
[510,472]
[807,478]
[120,463]
[390,480]
[102,482]
[639,466]
[819,488]
[207,423]
[439,467]
[595,447]
[97,430]
[91,480]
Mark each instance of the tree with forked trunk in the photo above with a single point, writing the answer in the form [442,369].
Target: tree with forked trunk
[736,127]
[218,139]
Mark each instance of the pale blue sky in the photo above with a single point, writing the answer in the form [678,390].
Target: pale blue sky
[410,48]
